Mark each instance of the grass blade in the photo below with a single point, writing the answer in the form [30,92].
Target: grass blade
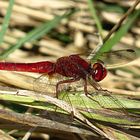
[79,101]
[6,21]
[94,15]
[37,33]
[117,36]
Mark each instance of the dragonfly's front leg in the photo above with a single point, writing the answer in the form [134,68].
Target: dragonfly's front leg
[93,84]
[88,94]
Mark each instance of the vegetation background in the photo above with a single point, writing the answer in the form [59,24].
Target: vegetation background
[44,30]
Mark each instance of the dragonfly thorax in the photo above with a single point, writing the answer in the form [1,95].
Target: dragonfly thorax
[72,66]
[76,67]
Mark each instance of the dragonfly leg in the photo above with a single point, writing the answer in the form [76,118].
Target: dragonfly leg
[88,94]
[63,82]
[85,88]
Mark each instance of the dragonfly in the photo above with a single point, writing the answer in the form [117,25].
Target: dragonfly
[72,69]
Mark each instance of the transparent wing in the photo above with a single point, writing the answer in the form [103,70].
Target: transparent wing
[117,58]
[46,84]
[112,104]
[101,105]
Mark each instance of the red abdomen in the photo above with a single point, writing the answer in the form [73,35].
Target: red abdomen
[72,66]
[39,67]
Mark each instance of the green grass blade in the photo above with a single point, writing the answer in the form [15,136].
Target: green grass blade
[94,15]
[110,8]
[37,33]
[6,20]
[107,46]
[81,102]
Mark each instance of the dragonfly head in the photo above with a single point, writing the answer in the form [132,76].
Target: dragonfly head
[99,72]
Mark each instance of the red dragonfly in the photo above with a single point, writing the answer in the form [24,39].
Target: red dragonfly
[74,67]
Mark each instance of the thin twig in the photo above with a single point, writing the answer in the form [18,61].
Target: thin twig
[130,10]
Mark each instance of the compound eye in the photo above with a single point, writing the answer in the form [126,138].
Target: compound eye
[100,72]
